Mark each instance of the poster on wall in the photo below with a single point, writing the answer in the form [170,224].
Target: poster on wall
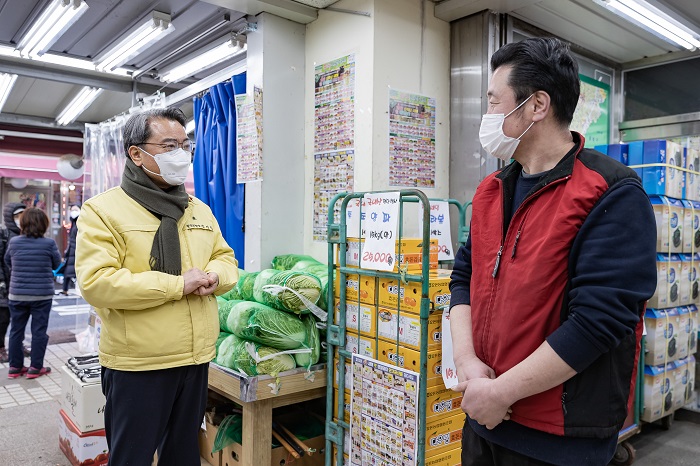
[383,413]
[334,136]
[411,140]
[591,117]
[249,137]
[334,172]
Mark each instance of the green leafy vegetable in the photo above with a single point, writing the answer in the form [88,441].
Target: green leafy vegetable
[314,342]
[267,326]
[288,261]
[245,286]
[294,283]
[234,355]
[224,311]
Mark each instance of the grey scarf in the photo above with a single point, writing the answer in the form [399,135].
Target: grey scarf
[168,205]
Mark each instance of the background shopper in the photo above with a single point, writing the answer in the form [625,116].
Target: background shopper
[31,259]
[11,213]
[69,253]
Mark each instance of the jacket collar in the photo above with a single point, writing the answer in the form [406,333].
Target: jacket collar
[562,169]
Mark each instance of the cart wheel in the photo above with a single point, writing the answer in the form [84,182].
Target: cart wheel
[624,454]
[667,421]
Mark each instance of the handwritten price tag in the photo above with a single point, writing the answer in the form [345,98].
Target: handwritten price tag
[355,219]
[440,228]
[449,370]
[380,224]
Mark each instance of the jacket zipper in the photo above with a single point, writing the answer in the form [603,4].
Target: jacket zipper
[563,402]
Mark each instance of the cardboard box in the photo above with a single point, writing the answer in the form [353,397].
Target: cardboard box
[659,385]
[691,227]
[206,444]
[232,455]
[683,336]
[361,317]
[668,285]
[619,152]
[442,402]
[407,327]
[692,185]
[448,458]
[346,405]
[669,214]
[693,325]
[691,264]
[410,359]
[358,288]
[635,151]
[662,336]
[83,402]
[336,372]
[443,434]
[78,446]
[359,344]
[664,178]
[391,293]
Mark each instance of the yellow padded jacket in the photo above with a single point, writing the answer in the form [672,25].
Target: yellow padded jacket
[147,323]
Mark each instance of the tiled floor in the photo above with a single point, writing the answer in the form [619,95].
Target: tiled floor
[20,391]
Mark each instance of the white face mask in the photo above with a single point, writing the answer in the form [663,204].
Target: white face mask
[174,165]
[17,223]
[492,138]
[74,213]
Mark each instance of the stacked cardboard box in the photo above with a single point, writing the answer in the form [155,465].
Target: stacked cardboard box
[81,421]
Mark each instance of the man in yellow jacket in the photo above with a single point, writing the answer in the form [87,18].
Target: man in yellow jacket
[149,258]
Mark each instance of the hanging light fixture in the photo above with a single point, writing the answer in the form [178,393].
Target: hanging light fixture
[156,27]
[51,24]
[6,83]
[655,21]
[82,101]
[215,53]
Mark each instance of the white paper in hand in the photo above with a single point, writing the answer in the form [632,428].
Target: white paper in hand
[449,371]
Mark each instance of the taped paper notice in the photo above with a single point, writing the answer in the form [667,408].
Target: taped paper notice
[449,371]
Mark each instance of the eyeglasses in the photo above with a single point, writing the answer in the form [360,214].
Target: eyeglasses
[187,145]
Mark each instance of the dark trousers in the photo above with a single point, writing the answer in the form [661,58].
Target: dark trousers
[20,311]
[4,324]
[479,452]
[149,410]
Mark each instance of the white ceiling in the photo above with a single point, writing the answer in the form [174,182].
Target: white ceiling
[584,23]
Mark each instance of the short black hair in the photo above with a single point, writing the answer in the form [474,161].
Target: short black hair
[138,127]
[542,64]
[33,223]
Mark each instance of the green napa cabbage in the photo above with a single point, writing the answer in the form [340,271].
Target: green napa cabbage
[267,326]
[314,342]
[288,261]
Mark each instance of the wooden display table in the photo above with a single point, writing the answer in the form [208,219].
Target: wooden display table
[258,396]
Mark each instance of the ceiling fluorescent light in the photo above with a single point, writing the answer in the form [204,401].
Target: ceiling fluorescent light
[51,24]
[82,101]
[155,28]
[655,21]
[6,83]
[199,61]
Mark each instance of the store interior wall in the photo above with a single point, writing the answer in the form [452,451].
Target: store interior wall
[274,213]
[402,46]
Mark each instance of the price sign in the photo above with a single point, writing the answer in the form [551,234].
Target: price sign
[380,224]
[354,218]
[440,228]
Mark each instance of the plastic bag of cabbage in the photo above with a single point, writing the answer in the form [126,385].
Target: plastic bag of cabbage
[265,325]
[290,261]
[245,286]
[233,353]
[287,290]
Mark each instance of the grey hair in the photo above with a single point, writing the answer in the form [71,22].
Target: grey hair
[138,128]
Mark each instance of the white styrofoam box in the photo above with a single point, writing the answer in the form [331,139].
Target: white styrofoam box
[659,387]
[83,402]
[691,226]
[79,447]
[662,336]
[669,214]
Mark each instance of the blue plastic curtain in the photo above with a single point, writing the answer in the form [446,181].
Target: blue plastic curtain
[215,159]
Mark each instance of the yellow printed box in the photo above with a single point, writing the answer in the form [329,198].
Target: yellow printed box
[442,402]
[408,251]
[359,344]
[346,404]
[448,458]
[408,327]
[358,317]
[443,434]
[358,288]
[408,295]
[410,359]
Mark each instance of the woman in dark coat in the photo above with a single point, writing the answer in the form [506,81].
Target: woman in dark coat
[69,254]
